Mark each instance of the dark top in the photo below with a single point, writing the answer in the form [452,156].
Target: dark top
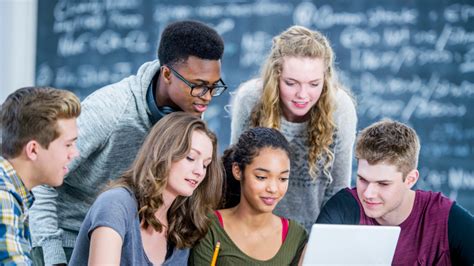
[424,231]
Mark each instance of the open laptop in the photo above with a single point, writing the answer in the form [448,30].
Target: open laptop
[334,244]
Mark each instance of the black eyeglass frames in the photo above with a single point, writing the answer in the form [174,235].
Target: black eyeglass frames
[201,90]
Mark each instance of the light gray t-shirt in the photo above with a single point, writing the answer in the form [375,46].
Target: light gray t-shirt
[117,209]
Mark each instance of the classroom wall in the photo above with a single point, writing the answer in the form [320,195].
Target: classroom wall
[407,60]
[412,61]
[17,45]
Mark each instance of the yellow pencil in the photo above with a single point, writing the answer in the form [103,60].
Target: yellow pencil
[216,252]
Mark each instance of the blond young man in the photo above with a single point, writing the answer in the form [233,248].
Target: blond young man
[434,229]
[39,135]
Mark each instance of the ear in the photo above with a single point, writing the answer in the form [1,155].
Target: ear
[166,73]
[236,171]
[31,150]
[412,178]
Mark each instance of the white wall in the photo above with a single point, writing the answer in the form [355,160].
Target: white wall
[17,45]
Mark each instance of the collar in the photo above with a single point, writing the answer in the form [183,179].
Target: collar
[156,112]
[12,182]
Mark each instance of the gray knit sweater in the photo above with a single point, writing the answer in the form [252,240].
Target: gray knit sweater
[305,196]
[112,126]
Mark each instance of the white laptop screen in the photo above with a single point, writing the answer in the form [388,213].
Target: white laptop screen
[331,244]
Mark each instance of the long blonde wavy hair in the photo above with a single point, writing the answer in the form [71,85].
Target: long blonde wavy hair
[298,41]
[170,141]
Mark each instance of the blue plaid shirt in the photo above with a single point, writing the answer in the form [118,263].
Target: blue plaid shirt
[15,239]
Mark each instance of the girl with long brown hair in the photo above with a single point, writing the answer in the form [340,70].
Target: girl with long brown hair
[158,209]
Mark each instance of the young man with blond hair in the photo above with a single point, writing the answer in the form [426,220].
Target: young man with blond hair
[434,229]
[39,135]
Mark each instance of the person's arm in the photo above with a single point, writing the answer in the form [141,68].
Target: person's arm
[106,247]
[95,125]
[12,243]
[202,252]
[105,228]
[461,236]
[342,208]
[298,259]
[346,122]
[242,103]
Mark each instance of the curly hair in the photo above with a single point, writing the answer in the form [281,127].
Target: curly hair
[169,141]
[182,39]
[31,113]
[389,141]
[298,41]
[243,152]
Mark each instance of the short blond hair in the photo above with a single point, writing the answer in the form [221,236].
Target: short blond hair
[389,141]
[31,113]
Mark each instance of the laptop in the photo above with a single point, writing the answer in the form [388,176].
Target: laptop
[335,244]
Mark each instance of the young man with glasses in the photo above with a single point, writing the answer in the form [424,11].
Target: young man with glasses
[114,123]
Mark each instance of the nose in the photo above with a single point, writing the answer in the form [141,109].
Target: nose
[370,191]
[207,96]
[74,152]
[302,92]
[271,186]
[199,170]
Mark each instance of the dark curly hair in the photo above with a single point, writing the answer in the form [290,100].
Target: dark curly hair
[182,39]
[243,152]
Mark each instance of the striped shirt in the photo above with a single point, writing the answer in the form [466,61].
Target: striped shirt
[15,239]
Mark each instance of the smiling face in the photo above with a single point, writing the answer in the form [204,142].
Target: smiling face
[197,71]
[301,83]
[186,174]
[52,163]
[265,180]
[384,193]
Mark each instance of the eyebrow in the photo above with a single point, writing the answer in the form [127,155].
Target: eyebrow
[268,171]
[205,82]
[196,150]
[378,181]
[70,140]
[314,80]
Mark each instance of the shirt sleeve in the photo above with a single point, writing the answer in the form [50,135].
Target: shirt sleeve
[116,209]
[346,122]
[461,236]
[12,240]
[342,208]
[202,252]
[303,240]
[242,103]
[94,129]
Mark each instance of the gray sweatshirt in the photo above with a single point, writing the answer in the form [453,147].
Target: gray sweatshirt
[112,126]
[305,196]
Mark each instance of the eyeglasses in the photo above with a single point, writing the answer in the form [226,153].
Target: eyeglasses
[201,90]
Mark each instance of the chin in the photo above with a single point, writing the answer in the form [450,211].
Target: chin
[373,214]
[186,193]
[56,183]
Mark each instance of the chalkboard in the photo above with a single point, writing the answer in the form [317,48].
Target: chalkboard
[408,60]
